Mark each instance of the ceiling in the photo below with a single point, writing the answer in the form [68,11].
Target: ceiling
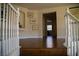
[42,5]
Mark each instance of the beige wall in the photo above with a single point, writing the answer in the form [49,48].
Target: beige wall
[27,32]
[60,11]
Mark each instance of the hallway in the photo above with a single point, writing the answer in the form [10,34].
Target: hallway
[42,47]
[30,26]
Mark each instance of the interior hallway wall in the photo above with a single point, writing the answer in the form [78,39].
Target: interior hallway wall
[60,12]
[27,32]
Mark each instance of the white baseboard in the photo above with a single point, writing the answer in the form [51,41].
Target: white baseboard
[60,37]
[24,37]
[30,37]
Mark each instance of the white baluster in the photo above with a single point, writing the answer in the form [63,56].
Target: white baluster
[9,38]
[0,29]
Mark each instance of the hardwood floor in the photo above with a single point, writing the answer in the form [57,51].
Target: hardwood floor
[42,47]
[44,52]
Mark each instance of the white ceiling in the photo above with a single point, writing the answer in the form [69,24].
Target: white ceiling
[42,5]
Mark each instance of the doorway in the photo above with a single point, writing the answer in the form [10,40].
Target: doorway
[49,27]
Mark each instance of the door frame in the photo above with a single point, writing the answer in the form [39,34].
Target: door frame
[44,25]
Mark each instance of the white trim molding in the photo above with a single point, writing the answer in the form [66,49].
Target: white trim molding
[58,37]
[30,37]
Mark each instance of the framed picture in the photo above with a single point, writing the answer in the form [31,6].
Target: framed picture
[22,20]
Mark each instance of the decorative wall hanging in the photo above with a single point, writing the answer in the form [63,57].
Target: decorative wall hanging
[30,15]
[22,20]
[32,20]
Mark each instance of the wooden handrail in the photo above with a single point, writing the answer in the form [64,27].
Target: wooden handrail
[12,7]
[74,7]
[69,13]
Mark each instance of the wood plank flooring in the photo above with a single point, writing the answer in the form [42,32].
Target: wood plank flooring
[38,47]
[44,52]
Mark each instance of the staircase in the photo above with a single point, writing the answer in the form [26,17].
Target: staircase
[9,30]
[72,31]
[44,52]
[37,47]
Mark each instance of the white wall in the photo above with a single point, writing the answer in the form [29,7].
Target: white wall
[27,32]
[60,12]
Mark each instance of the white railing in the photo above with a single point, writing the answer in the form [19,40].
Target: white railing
[72,33]
[0,29]
[9,30]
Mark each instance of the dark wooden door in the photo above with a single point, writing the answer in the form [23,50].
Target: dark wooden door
[54,25]
[51,17]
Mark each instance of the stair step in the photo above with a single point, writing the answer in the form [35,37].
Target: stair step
[44,52]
